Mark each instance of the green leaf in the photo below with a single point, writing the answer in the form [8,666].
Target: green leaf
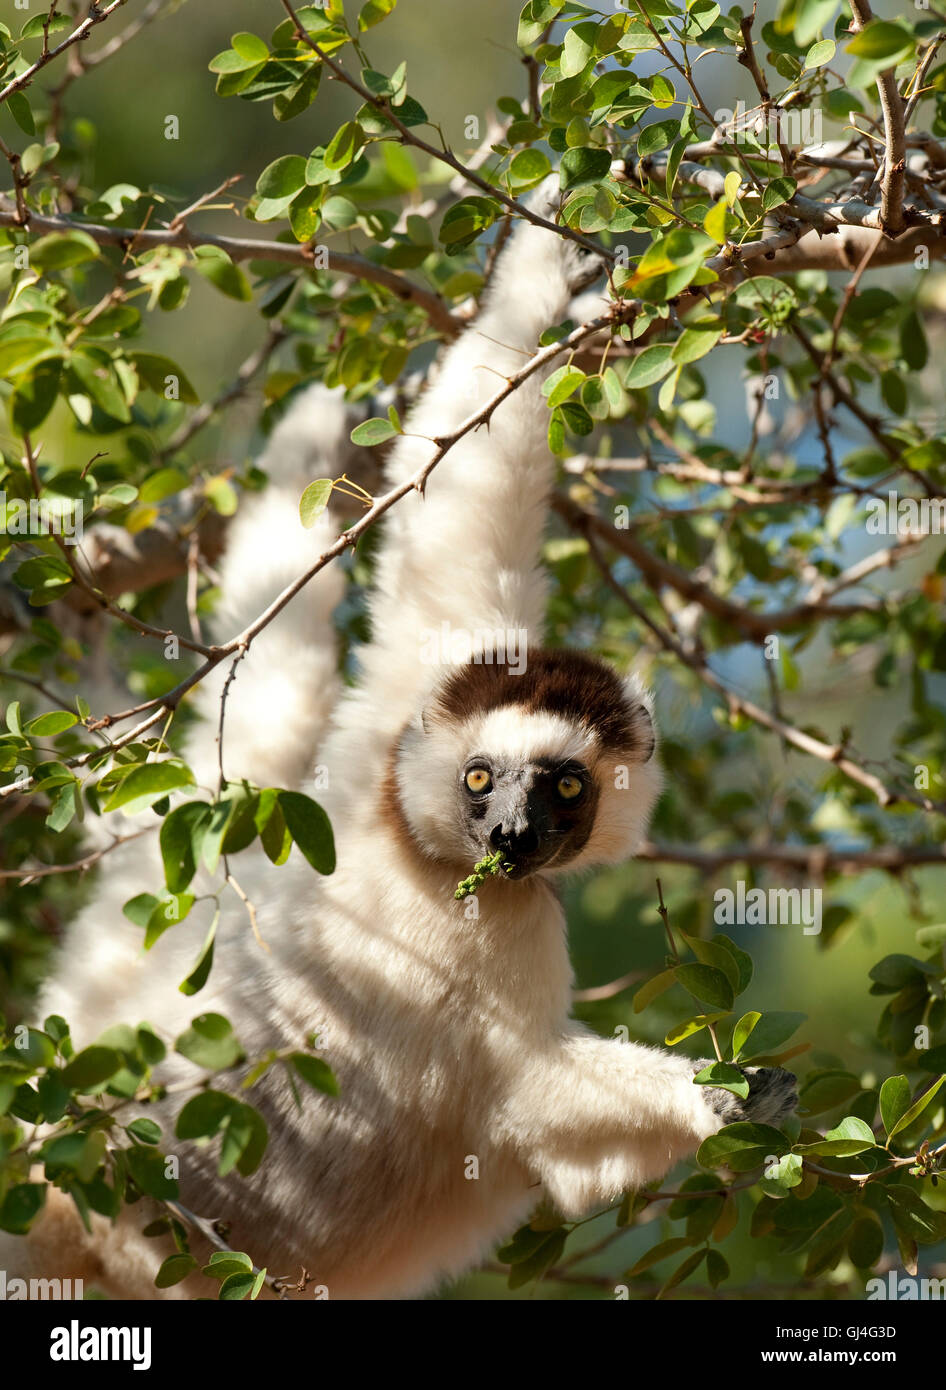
[934,1060]
[63,808]
[216,266]
[913,345]
[535,18]
[180,834]
[825,1089]
[101,382]
[714,223]
[203,1115]
[343,147]
[715,954]
[691,1026]
[22,113]
[658,1252]
[55,722]
[561,384]
[310,829]
[314,501]
[173,1270]
[44,23]
[244,1140]
[778,1179]
[371,432]
[819,54]
[695,343]
[242,1285]
[154,370]
[271,826]
[140,908]
[741,1146]
[777,192]
[148,783]
[35,394]
[657,137]
[707,984]
[60,250]
[148,1169]
[528,168]
[851,1136]
[882,41]
[229,62]
[683,1271]
[774,1028]
[373,12]
[250,47]
[894,1101]
[170,909]
[144,1130]
[725,1076]
[650,366]
[91,1068]
[912,1217]
[315,1072]
[283,178]
[22,351]
[304,214]
[464,222]
[210,1043]
[577,53]
[294,100]
[224,1262]
[717,1268]
[916,1110]
[21,1205]
[742,1031]
[652,989]
[897,971]
[202,966]
[583,165]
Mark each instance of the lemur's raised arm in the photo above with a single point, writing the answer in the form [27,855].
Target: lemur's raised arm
[467,554]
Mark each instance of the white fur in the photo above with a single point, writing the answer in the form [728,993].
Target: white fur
[449,1032]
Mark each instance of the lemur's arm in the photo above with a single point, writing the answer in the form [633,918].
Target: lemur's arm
[593,1118]
[467,554]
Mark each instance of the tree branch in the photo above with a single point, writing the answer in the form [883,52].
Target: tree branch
[130,240]
[834,754]
[813,860]
[444,155]
[658,572]
[82,30]
[895,149]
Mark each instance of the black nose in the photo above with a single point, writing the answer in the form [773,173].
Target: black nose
[518,844]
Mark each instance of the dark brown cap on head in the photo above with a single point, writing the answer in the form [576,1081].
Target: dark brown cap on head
[559,681]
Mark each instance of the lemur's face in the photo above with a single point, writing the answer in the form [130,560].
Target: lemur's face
[554,768]
[539,811]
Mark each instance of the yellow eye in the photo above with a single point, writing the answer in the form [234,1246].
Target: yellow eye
[569,787]
[478,780]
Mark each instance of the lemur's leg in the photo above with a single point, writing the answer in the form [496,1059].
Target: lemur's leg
[594,1118]
[286,685]
[467,554]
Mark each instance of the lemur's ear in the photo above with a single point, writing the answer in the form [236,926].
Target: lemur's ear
[641,703]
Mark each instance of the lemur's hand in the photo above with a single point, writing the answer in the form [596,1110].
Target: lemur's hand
[773,1095]
[583,266]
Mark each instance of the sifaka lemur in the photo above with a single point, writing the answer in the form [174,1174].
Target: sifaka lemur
[466,1092]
